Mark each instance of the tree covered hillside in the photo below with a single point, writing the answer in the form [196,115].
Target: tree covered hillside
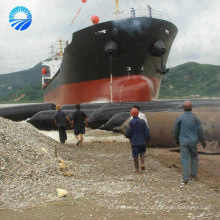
[17,84]
[191,79]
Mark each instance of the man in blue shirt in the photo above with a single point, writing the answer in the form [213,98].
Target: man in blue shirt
[60,122]
[79,121]
[139,136]
[188,132]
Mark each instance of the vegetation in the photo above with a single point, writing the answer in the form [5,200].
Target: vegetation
[21,86]
[31,93]
[189,80]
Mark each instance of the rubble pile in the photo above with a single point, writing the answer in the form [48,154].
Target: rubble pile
[27,163]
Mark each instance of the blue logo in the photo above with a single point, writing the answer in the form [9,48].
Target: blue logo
[20,18]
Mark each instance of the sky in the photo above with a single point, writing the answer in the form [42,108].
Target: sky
[197,22]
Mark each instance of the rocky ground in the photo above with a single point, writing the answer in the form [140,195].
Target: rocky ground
[99,179]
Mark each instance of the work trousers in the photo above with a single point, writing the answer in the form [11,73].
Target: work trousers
[189,150]
[62,134]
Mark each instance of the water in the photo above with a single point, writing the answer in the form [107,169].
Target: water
[17,104]
[91,135]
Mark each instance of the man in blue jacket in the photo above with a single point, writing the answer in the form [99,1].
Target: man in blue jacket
[188,132]
[60,122]
[139,136]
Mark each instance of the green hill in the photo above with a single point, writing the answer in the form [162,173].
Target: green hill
[189,80]
[32,93]
[26,82]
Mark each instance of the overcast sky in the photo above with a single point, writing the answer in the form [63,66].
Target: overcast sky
[197,22]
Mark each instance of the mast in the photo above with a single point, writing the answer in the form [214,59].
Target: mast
[116,6]
[51,47]
[150,11]
[60,45]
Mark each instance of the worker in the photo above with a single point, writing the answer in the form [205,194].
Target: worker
[139,136]
[79,121]
[188,132]
[60,122]
[140,115]
[133,13]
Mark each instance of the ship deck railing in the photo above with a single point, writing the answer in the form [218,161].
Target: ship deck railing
[138,13]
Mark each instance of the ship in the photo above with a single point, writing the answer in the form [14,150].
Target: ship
[118,60]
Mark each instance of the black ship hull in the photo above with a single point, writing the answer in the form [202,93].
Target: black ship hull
[121,48]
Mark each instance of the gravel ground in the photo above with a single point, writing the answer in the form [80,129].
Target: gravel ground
[101,182]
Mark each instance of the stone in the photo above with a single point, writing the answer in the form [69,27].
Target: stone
[68,174]
[62,166]
[62,193]
[44,150]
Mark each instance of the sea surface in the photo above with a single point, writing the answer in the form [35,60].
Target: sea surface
[91,135]
[17,104]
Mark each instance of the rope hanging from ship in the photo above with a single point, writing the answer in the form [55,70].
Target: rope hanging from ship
[111,49]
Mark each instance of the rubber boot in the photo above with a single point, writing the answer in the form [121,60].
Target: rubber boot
[136,164]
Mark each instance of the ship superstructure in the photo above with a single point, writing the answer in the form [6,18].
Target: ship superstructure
[51,66]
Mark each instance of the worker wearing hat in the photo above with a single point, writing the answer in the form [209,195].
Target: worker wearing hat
[140,115]
[139,136]
[188,132]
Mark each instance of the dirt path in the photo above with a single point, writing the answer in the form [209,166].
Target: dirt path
[104,186]
[208,166]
